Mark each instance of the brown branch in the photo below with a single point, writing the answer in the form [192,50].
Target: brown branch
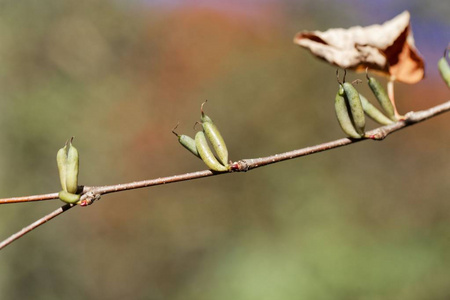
[379,133]
[251,163]
[34,225]
[92,193]
[29,198]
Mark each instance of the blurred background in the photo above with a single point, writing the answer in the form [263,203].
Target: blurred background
[368,221]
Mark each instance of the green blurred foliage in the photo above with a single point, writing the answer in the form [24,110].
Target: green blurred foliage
[368,221]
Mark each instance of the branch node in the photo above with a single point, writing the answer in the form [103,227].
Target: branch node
[90,198]
[379,134]
[410,117]
[239,166]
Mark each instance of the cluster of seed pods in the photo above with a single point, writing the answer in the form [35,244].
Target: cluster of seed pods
[200,145]
[351,107]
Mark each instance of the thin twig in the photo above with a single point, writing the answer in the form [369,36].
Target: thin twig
[29,198]
[94,192]
[34,225]
[375,134]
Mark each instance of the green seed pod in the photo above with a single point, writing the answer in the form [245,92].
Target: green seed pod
[343,115]
[444,69]
[72,169]
[382,97]
[374,112]
[69,197]
[217,142]
[356,108]
[214,137]
[206,154]
[187,142]
[68,162]
[61,160]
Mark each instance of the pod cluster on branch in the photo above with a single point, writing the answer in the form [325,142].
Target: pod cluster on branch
[215,157]
[351,107]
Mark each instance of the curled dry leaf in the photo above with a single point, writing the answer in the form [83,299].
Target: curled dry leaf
[388,48]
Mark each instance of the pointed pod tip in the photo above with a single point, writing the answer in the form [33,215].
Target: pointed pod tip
[201,107]
[173,130]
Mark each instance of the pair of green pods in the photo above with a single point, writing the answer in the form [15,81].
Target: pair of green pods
[348,112]
[351,108]
[67,160]
[200,147]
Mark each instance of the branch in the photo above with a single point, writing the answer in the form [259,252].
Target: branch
[34,225]
[379,133]
[29,198]
[90,194]
[247,164]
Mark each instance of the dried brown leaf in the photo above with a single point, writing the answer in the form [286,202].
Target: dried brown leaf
[388,48]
